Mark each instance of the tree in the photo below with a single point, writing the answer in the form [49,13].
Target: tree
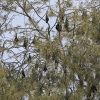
[45,61]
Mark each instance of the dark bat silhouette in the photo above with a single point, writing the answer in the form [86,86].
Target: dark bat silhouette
[23,74]
[25,44]
[58,27]
[93,88]
[16,38]
[46,19]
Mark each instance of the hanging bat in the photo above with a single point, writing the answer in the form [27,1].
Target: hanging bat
[25,44]
[58,27]
[46,18]
[23,74]
[93,88]
[16,38]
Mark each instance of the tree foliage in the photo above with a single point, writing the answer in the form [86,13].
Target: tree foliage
[49,51]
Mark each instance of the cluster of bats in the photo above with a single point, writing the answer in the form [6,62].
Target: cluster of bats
[58,25]
[59,29]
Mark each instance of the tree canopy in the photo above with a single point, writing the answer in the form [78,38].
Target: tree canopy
[49,51]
